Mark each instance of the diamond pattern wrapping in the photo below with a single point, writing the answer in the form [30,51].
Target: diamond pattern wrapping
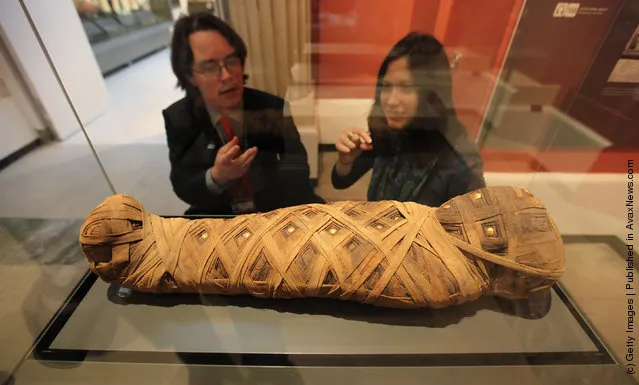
[493,241]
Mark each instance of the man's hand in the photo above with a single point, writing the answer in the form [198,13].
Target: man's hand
[231,163]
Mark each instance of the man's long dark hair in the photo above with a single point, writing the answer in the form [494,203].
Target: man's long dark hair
[181,53]
[435,123]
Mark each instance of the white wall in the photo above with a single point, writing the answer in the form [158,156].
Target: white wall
[579,203]
[71,53]
[61,31]
[14,129]
[337,115]
[19,121]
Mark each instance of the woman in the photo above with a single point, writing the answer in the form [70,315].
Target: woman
[416,146]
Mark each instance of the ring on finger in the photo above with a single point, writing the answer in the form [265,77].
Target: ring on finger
[356,137]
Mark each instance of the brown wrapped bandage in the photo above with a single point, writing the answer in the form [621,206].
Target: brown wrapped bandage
[494,241]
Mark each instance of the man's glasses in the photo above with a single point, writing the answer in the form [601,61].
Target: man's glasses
[212,68]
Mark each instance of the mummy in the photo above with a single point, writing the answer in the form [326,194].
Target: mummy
[497,241]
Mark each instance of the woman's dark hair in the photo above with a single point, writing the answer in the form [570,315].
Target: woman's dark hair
[435,119]
[181,53]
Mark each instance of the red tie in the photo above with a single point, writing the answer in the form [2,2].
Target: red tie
[228,128]
[240,189]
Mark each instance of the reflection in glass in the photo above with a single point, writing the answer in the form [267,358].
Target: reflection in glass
[417,148]
[104,20]
[553,101]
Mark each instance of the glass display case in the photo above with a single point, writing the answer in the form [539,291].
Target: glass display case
[542,95]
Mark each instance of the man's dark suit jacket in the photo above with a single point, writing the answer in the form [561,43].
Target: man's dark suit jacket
[280,168]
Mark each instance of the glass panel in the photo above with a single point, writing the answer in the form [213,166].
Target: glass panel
[208,112]
[562,123]
[47,185]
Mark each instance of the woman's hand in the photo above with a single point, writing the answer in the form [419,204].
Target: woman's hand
[351,143]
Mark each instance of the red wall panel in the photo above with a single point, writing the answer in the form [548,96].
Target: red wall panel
[354,38]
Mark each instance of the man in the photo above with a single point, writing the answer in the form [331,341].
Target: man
[232,149]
